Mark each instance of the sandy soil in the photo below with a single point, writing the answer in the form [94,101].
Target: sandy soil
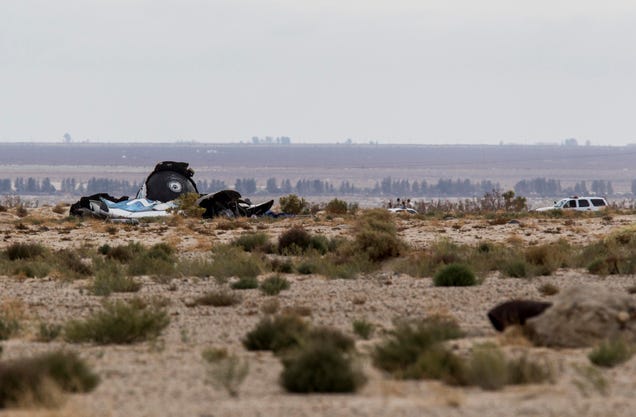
[167,377]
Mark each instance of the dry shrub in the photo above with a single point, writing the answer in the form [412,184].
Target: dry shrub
[221,298]
[276,333]
[274,285]
[454,275]
[294,241]
[33,378]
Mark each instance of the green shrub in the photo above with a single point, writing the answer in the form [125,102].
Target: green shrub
[196,268]
[122,253]
[158,260]
[320,243]
[336,207]
[402,347]
[378,245]
[437,362]
[612,352]
[276,333]
[230,261]
[71,261]
[320,367]
[221,298]
[119,322]
[30,378]
[292,204]
[274,285]
[363,328]
[251,242]
[454,275]
[515,268]
[295,240]
[110,278]
[187,205]
[245,283]
[24,251]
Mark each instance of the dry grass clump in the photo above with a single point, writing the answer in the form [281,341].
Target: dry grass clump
[219,298]
[363,328]
[616,254]
[548,289]
[9,324]
[39,378]
[231,261]
[119,322]
[227,373]
[612,352]
[29,250]
[48,332]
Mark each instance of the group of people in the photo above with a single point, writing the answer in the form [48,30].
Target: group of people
[403,203]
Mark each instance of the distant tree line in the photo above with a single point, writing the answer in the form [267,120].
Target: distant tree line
[544,187]
[387,187]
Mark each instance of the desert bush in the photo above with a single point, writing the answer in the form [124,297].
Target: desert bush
[401,348]
[228,373]
[274,285]
[363,328]
[48,332]
[320,367]
[319,243]
[196,267]
[612,352]
[515,268]
[110,277]
[548,289]
[546,259]
[230,261]
[28,268]
[309,266]
[222,298]
[17,251]
[276,333]
[253,241]
[437,362]
[21,211]
[292,204]
[298,310]
[270,306]
[336,207]
[211,355]
[376,236]
[187,205]
[71,261]
[158,260]
[294,241]
[487,368]
[332,336]
[524,371]
[119,322]
[454,275]
[30,378]
[245,283]
[122,253]
[60,209]
[283,266]
[9,325]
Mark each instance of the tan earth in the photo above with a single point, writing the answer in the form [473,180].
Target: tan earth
[168,377]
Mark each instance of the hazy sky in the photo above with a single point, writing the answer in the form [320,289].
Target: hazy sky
[395,71]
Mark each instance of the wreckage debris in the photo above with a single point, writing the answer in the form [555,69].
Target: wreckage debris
[157,195]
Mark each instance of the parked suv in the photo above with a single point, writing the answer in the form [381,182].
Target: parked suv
[578,203]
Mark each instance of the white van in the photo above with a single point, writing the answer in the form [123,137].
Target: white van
[577,203]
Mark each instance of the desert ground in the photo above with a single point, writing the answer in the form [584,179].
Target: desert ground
[168,377]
